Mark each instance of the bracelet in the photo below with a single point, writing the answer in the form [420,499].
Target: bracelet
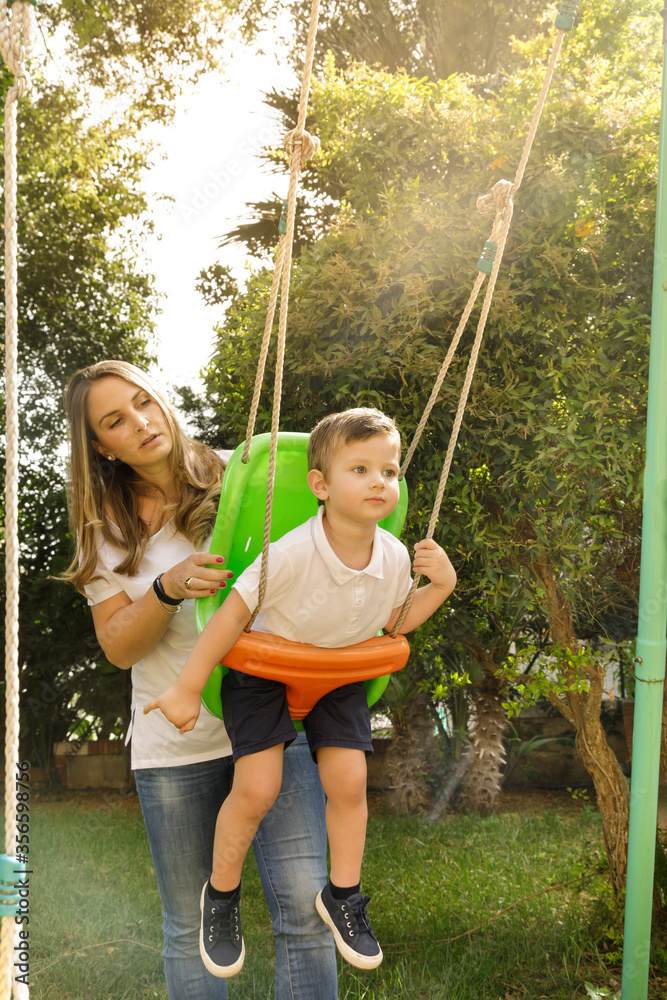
[165,598]
[165,607]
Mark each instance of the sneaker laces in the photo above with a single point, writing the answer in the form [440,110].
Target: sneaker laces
[222,919]
[356,905]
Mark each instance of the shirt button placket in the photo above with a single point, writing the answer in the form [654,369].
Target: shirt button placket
[359,595]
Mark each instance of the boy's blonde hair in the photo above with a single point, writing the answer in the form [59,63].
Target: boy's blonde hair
[343,428]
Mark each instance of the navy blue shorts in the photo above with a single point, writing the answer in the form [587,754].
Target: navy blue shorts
[256,716]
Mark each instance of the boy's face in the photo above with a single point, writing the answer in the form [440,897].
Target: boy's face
[362,483]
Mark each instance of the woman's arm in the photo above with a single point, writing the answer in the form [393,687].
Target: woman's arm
[181,702]
[128,630]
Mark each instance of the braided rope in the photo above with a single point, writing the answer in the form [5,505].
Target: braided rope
[16,38]
[499,198]
[264,350]
[435,391]
[300,145]
[16,46]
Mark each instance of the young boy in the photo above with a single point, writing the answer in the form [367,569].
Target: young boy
[363,575]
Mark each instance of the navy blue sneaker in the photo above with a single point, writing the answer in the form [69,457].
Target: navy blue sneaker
[220,940]
[348,922]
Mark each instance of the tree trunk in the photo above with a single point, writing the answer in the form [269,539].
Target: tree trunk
[582,709]
[663,734]
[410,757]
[484,776]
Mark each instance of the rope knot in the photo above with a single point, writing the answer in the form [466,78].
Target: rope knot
[23,82]
[309,144]
[16,38]
[496,199]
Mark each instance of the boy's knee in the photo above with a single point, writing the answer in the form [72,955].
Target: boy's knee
[257,799]
[355,793]
[350,792]
[342,768]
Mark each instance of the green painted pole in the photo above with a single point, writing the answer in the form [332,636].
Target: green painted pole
[651,641]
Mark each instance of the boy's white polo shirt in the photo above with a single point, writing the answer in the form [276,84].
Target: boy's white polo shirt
[311,596]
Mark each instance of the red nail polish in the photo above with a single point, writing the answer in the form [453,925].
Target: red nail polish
[230,575]
[221,584]
[219,559]
[211,592]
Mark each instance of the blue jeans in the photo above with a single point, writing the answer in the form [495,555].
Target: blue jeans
[180,806]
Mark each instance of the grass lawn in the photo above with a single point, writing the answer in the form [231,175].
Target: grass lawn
[438,890]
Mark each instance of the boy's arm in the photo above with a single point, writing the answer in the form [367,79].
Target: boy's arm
[182,701]
[431,561]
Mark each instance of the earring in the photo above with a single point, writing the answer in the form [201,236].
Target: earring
[111,458]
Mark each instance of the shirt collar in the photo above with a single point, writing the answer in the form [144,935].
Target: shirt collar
[338,571]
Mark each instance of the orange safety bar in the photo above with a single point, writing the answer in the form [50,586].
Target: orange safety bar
[309,672]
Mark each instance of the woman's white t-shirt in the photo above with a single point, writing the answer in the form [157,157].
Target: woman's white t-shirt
[155,742]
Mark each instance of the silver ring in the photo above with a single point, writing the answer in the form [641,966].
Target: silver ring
[188,583]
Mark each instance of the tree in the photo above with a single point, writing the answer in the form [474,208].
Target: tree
[83,296]
[68,691]
[148,51]
[425,38]
[543,508]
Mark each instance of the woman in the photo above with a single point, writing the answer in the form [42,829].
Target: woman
[143,499]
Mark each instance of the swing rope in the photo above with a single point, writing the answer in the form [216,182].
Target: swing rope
[300,145]
[16,46]
[499,198]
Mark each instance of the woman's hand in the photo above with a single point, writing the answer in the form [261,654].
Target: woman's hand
[180,705]
[128,630]
[200,575]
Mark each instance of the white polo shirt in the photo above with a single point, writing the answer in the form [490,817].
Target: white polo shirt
[155,742]
[311,596]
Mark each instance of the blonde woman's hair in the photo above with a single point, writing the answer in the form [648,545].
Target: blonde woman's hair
[343,428]
[103,496]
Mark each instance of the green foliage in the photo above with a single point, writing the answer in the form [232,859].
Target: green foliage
[149,51]
[491,44]
[660,875]
[550,457]
[67,688]
[423,37]
[83,296]
[440,882]
[82,215]
[562,671]
[612,930]
[600,992]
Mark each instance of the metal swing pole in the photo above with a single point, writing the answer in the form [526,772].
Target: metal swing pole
[652,629]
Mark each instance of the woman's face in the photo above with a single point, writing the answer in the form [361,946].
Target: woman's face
[128,424]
